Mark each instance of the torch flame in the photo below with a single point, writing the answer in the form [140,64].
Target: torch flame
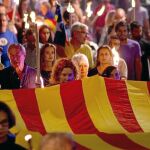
[101,11]
[33,16]
[28,137]
[133,3]
[25,18]
[70,9]
[16,2]
[88,9]
[115,57]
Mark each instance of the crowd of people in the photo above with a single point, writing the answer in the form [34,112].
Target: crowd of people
[112,41]
[109,32]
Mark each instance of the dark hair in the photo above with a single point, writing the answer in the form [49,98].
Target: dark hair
[11,118]
[121,24]
[42,51]
[20,11]
[41,29]
[59,66]
[98,51]
[134,24]
[107,72]
[66,15]
[29,32]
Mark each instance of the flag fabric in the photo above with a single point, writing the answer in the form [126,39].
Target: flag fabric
[102,113]
[51,23]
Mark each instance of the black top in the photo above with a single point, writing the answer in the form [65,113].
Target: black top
[10,80]
[93,72]
[145,49]
[10,145]
[46,76]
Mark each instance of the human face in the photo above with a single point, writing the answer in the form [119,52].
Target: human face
[137,33]
[45,35]
[66,75]
[83,66]
[7,3]
[43,9]
[4,126]
[82,36]
[16,58]
[25,5]
[31,38]
[104,56]
[122,33]
[115,43]
[2,9]
[3,23]
[49,54]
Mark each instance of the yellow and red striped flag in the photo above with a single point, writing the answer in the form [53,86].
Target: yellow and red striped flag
[102,114]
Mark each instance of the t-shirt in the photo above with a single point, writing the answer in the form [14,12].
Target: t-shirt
[141,14]
[6,38]
[129,52]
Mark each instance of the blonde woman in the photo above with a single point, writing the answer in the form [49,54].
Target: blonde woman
[47,60]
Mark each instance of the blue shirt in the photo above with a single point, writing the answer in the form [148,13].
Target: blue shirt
[6,38]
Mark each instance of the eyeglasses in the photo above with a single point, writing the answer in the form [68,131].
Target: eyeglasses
[4,122]
[83,32]
[45,32]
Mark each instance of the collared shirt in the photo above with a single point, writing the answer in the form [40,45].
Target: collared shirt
[10,80]
[84,49]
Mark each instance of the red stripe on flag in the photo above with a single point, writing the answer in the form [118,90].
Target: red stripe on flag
[148,85]
[29,110]
[119,100]
[80,147]
[80,121]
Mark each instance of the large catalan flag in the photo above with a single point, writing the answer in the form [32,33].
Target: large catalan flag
[102,114]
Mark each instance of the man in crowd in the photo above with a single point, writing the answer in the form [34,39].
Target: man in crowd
[79,32]
[99,19]
[7,121]
[18,75]
[130,51]
[6,38]
[141,15]
[136,33]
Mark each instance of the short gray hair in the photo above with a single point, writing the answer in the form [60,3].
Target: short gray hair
[17,46]
[78,26]
[60,140]
[77,58]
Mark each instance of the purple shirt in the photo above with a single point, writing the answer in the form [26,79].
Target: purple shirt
[129,52]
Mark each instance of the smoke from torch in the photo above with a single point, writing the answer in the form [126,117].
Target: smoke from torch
[101,11]
[133,3]
[70,9]
[88,9]
[115,57]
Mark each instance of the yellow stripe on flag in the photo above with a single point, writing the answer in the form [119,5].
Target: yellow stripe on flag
[140,101]
[7,97]
[51,109]
[140,138]
[93,142]
[98,106]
